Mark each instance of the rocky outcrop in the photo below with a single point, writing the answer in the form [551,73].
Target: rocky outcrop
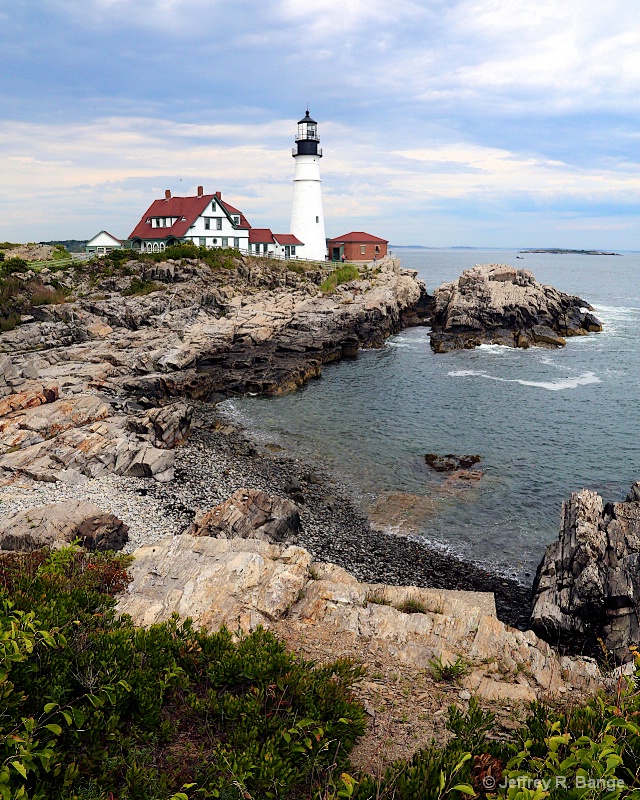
[243,583]
[498,304]
[82,436]
[90,386]
[57,525]
[588,584]
[250,514]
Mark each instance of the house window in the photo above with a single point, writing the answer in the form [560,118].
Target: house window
[203,241]
[225,241]
[236,220]
[207,224]
[218,223]
[215,241]
[236,243]
[317,219]
[265,248]
[213,205]
[363,249]
[293,249]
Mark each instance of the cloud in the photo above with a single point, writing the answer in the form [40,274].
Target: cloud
[67,180]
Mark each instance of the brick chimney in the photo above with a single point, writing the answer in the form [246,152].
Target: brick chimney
[167,194]
[219,195]
[200,191]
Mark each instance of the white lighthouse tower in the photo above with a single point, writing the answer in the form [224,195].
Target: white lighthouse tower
[307,219]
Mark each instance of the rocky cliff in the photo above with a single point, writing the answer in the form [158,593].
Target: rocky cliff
[588,584]
[498,304]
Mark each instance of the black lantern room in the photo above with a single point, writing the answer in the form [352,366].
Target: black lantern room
[307,138]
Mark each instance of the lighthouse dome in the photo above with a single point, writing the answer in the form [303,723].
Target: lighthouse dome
[307,119]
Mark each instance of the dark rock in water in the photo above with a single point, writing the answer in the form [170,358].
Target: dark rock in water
[250,514]
[499,304]
[450,462]
[588,584]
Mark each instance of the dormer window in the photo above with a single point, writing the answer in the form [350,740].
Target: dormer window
[236,220]
[213,205]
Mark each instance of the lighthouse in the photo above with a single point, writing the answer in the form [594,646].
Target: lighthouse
[307,219]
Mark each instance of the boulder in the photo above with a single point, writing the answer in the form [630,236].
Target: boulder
[58,524]
[250,514]
[587,587]
[498,304]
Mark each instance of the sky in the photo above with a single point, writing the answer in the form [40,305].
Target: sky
[489,123]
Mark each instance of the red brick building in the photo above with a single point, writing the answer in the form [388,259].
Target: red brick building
[357,246]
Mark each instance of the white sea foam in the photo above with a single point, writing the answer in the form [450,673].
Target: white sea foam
[499,349]
[552,386]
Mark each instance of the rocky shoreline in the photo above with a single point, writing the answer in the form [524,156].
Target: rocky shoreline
[218,459]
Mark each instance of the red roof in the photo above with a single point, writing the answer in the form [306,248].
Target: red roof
[231,210]
[359,237]
[260,236]
[186,209]
[286,238]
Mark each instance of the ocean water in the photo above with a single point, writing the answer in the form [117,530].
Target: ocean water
[545,422]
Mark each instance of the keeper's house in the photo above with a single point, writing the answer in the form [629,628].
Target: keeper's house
[357,246]
[205,220]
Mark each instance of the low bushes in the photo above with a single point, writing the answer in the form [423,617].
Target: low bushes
[91,705]
[93,708]
[343,274]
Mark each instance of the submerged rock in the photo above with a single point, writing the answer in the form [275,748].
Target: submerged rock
[499,304]
[450,462]
[588,584]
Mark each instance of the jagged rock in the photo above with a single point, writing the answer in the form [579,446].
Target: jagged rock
[250,514]
[450,462]
[167,426]
[588,583]
[498,304]
[90,451]
[59,524]
[243,583]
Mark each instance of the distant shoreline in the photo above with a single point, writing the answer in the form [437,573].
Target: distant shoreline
[561,251]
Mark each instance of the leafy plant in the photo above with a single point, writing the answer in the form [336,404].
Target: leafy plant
[446,671]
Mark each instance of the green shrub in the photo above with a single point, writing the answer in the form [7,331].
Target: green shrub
[142,713]
[9,322]
[119,256]
[342,274]
[14,264]
[60,252]
[140,286]
[412,605]
[447,671]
